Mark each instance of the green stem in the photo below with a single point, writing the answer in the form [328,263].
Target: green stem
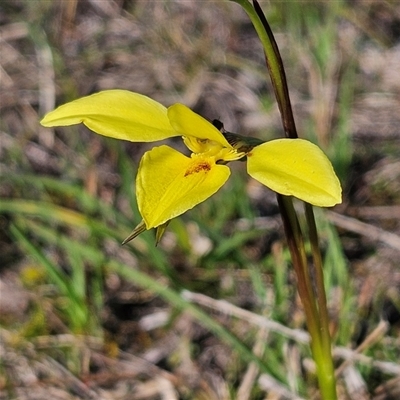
[274,64]
[326,363]
[314,303]
[296,246]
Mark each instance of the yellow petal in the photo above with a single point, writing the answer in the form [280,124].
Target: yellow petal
[188,123]
[169,183]
[295,167]
[119,114]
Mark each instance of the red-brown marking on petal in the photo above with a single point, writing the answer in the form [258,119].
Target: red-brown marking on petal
[198,167]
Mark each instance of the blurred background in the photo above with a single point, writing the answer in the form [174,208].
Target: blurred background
[82,317]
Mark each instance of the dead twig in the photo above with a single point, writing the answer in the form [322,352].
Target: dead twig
[297,335]
[364,229]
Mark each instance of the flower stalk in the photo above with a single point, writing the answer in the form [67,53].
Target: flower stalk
[312,292]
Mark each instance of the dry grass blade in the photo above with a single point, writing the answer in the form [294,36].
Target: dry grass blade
[250,376]
[158,387]
[375,336]
[13,31]
[390,389]
[227,308]
[355,384]
[368,230]
[298,335]
[275,388]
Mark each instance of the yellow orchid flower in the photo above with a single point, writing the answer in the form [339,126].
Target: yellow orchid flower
[169,183]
